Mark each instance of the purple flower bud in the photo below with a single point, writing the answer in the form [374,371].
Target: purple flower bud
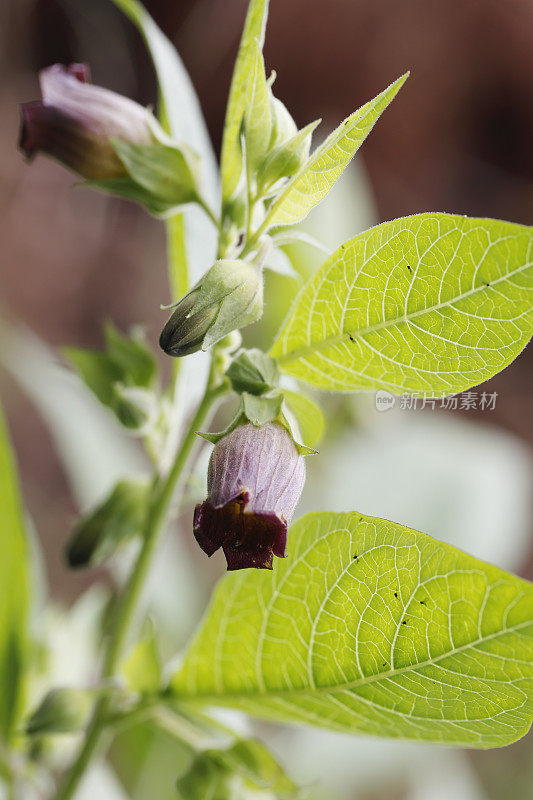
[75,121]
[254,482]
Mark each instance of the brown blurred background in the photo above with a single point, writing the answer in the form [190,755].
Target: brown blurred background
[458,138]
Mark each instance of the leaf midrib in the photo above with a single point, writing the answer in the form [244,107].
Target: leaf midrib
[342,687]
[331,341]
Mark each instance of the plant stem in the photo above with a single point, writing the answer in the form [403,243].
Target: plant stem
[163,491]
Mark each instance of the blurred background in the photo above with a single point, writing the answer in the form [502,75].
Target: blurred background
[457,138]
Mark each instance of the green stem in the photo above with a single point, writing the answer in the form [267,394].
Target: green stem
[162,494]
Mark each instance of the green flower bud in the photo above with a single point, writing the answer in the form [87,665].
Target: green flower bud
[283,125]
[228,297]
[61,711]
[286,158]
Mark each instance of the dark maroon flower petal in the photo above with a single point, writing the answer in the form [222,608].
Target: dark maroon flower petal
[248,539]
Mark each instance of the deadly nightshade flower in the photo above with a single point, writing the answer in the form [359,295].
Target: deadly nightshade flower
[75,121]
[228,297]
[254,481]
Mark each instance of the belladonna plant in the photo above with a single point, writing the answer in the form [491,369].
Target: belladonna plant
[359,625]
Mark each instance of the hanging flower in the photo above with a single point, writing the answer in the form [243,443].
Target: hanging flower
[75,121]
[254,481]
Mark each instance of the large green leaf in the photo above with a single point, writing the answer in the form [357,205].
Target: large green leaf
[433,303]
[231,156]
[325,166]
[370,627]
[13,589]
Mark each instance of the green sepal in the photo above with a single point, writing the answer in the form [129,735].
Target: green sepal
[253,371]
[117,519]
[169,174]
[128,189]
[259,411]
[308,414]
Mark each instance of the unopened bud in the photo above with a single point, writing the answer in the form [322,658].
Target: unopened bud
[228,297]
[287,157]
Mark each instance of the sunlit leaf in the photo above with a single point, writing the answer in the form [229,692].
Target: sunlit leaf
[231,157]
[370,627]
[325,166]
[13,589]
[432,303]
[257,119]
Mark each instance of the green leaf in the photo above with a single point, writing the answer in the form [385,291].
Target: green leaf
[141,668]
[429,304]
[181,115]
[96,370]
[165,172]
[63,710]
[182,111]
[308,415]
[325,166]
[132,356]
[244,771]
[13,590]
[257,118]
[231,156]
[123,377]
[296,236]
[370,627]
[117,519]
